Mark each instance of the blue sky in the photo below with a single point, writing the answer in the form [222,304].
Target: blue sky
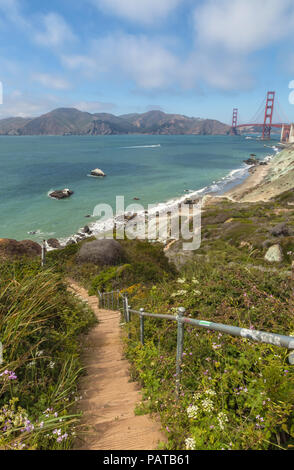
[195,57]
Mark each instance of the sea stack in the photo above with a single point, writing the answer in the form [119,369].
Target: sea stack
[61,194]
[98,172]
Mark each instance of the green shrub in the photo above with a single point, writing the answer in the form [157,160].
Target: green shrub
[40,326]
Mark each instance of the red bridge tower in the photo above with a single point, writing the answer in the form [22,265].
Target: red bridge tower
[268,116]
[235,121]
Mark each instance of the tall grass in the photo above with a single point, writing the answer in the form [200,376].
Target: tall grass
[40,325]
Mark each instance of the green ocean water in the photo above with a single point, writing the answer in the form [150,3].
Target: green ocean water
[152,168]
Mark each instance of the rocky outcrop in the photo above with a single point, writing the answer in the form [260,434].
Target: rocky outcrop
[16,249]
[280,230]
[251,161]
[274,254]
[53,243]
[61,194]
[101,252]
[98,172]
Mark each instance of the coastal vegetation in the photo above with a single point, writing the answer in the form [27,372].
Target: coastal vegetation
[235,394]
[40,327]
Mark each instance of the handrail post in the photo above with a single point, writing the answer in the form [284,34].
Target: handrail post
[117,299]
[180,345]
[124,308]
[142,326]
[128,315]
[127,309]
[43,254]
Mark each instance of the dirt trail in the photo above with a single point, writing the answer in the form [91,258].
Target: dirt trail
[108,398]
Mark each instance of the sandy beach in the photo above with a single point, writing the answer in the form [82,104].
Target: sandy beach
[255,179]
[267,181]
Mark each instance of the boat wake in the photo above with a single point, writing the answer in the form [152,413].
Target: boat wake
[142,146]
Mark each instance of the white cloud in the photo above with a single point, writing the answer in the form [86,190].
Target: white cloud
[144,61]
[11,11]
[143,11]
[243,26]
[55,31]
[151,66]
[94,106]
[51,81]
[17,104]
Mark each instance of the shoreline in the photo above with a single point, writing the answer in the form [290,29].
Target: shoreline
[255,178]
[251,177]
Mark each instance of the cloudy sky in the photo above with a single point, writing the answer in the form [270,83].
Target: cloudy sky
[196,57]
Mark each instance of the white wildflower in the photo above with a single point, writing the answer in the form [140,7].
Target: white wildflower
[207,405]
[192,411]
[190,443]
[222,419]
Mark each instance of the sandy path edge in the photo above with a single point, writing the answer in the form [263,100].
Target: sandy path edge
[108,397]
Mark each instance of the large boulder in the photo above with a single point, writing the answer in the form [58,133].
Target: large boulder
[101,252]
[14,249]
[61,194]
[274,254]
[280,230]
[53,243]
[98,172]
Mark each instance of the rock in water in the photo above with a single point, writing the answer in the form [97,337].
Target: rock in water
[98,172]
[61,193]
[53,243]
[101,252]
[274,254]
[251,161]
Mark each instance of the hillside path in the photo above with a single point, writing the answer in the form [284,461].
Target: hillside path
[108,397]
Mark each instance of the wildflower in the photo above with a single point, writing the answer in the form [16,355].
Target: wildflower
[192,411]
[207,405]
[210,392]
[9,374]
[190,443]
[222,419]
[181,281]
[195,281]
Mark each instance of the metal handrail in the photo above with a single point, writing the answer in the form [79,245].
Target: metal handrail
[254,335]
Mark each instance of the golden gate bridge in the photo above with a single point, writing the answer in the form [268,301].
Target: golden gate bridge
[269,111]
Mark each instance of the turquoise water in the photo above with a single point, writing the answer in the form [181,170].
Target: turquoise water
[152,168]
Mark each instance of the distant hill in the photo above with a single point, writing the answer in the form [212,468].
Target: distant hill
[70,121]
[11,126]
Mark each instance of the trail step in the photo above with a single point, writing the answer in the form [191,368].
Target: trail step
[108,397]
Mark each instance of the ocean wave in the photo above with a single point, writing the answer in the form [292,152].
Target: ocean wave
[217,187]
